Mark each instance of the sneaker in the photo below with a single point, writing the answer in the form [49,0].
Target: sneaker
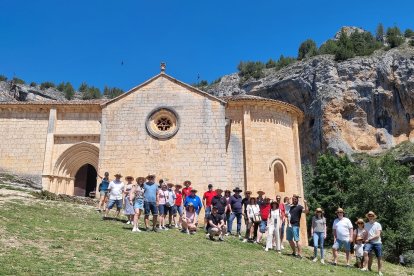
[244,240]
[128,222]
[266,249]
[255,242]
[221,238]
[364,269]
[299,256]
[334,264]
[176,226]
[315,260]
[322,261]
[188,232]
[227,234]
[155,229]
[136,230]
[164,228]
[160,228]
[239,234]
[211,237]
[147,229]
[282,247]
[379,273]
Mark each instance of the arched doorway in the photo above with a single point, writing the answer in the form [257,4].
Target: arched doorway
[279,177]
[85,180]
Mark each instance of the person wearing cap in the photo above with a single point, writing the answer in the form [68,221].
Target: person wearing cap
[318,232]
[245,202]
[372,242]
[187,189]
[220,202]
[194,200]
[274,223]
[293,230]
[163,198]
[342,231]
[189,221]
[103,192]
[170,205]
[216,225]
[264,214]
[236,211]
[254,218]
[136,196]
[128,206]
[178,206]
[115,190]
[151,202]
[207,198]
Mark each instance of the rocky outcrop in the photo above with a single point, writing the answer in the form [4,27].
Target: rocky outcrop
[364,104]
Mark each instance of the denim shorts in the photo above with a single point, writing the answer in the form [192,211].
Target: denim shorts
[376,247]
[292,233]
[139,203]
[162,209]
[112,202]
[338,245]
[103,193]
[208,211]
[262,226]
[150,207]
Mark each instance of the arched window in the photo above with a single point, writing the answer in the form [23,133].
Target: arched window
[279,177]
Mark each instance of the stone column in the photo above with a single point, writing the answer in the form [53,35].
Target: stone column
[247,150]
[47,162]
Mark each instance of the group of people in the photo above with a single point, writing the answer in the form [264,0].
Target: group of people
[181,206]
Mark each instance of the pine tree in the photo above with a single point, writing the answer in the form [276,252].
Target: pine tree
[379,35]
[307,49]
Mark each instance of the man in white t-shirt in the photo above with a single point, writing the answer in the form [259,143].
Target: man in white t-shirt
[372,242]
[342,231]
[115,190]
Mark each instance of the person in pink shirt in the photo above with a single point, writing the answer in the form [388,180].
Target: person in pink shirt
[190,219]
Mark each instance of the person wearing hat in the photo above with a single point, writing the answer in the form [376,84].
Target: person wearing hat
[264,214]
[360,233]
[194,200]
[359,252]
[115,189]
[236,211]
[189,222]
[178,206]
[220,202]
[318,232]
[170,205]
[128,206]
[372,241]
[342,231]
[137,198]
[216,225]
[260,199]
[293,229]
[162,195]
[274,222]
[103,192]
[207,198]
[187,190]
[151,202]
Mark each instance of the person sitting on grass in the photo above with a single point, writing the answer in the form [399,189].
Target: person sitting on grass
[115,190]
[372,242]
[342,231]
[103,192]
[194,200]
[216,225]
[189,222]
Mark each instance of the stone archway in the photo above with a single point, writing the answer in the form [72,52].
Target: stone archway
[68,165]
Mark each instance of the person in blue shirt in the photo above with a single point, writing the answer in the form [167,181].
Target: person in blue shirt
[103,192]
[151,202]
[236,211]
[195,200]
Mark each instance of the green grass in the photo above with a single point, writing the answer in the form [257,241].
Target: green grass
[50,237]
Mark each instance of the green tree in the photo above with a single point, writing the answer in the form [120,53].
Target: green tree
[61,86]
[270,63]
[112,92]
[345,48]
[250,69]
[411,43]
[329,47]
[394,37]
[409,33]
[69,91]
[33,84]
[379,35]
[90,93]
[3,78]
[16,80]
[363,43]
[307,49]
[83,87]
[46,85]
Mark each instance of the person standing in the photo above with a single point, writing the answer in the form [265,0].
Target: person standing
[293,230]
[283,214]
[360,234]
[260,199]
[245,203]
[216,225]
[151,202]
[170,205]
[115,190]
[318,232]
[342,231]
[264,214]
[273,227]
[128,206]
[162,204]
[194,200]
[178,206]
[227,194]
[236,208]
[372,242]
[187,189]
[286,203]
[103,192]
[254,218]
[207,198]
[137,197]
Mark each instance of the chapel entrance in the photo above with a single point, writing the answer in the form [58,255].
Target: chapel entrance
[85,180]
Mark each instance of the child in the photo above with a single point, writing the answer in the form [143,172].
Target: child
[359,251]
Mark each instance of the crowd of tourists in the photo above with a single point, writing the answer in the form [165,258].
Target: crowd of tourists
[174,206]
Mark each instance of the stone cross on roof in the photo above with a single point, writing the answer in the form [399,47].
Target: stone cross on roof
[163,65]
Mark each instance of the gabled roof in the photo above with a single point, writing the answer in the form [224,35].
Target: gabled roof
[163,75]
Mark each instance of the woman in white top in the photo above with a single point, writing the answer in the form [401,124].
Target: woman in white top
[274,223]
[136,197]
[253,218]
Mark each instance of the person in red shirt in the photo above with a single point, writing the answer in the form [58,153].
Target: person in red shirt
[264,213]
[187,189]
[207,198]
[283,215]
[178,206]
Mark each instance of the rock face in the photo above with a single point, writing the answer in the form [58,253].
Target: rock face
[365,104]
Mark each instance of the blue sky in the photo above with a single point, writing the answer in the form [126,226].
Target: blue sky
[87,40]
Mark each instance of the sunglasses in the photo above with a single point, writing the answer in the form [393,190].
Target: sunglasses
[370,216]
[340,212]
[360,223]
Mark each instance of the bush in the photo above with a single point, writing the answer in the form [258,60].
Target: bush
[280,63]
[46,85]
[409,33]
[69,91]
[394,37]
[3,78]
[379,35]
[363,43]
[216,81]
[112,92]
[18,81]
[328,48]
[33,84]
[61,86]
[83,87]
[411,43]
[307,49]
[90,92]
[250,69]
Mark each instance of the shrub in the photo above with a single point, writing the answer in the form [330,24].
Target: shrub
[69,91]
[83,87]
[394,37]
[307,49]
[328,48]
[250,69]
[46,85]
[112,92]
[379,35]
[90,92]
[3,78]
[61,86]
[411,43]
[33,84]
[18,81]
[363,43]
[216,81]
[409,33]
[345,48]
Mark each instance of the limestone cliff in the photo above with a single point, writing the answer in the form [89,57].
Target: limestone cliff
[364,104]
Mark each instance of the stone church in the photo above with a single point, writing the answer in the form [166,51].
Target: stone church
[161,126]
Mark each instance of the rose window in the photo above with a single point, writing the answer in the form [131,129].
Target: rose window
[162,123]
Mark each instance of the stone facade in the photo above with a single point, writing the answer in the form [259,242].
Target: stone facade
[162,126]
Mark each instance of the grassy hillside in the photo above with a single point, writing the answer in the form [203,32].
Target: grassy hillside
[51,237]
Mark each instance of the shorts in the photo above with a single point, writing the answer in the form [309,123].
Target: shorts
[162,209]
[178,209]
[338,245]
[150,207]
[292,233]
[139,204]
[103,193]
[359,259]
[207,211]
[376,247]
[168,209]
[112,202]
[262,226]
